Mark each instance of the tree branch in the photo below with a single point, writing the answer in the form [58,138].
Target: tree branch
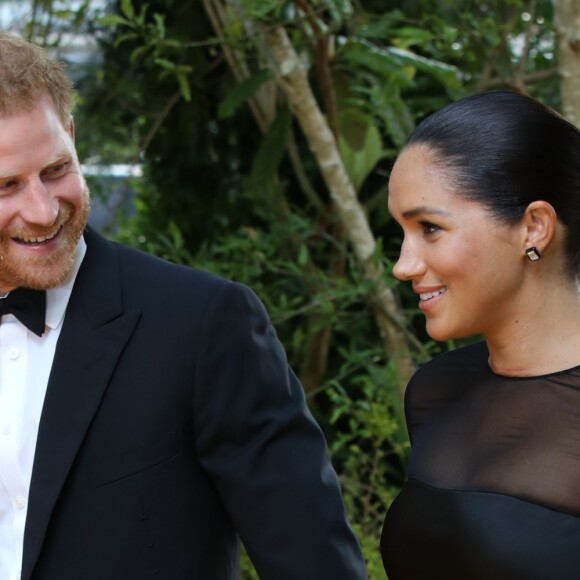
[531,77]
[293,81]
[171,102]
[301,175]
[322,63]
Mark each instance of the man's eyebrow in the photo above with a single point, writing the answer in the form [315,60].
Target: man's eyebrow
[53,160]
[425,209]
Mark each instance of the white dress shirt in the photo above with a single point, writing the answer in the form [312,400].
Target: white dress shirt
[25,363]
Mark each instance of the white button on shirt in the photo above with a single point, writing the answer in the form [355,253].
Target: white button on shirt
[25,363]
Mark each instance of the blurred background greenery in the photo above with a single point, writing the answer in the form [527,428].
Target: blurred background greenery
[254,138]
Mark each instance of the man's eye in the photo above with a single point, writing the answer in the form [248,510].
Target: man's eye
[56,169]
[8,184]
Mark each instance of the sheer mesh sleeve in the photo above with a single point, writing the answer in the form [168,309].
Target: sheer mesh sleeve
[493,488]
[475,430]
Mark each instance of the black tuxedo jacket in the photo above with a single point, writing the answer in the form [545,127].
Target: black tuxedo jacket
[172,423]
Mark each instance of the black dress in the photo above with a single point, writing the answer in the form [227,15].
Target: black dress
[493,490]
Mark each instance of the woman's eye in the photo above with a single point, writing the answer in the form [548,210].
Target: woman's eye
[429,228]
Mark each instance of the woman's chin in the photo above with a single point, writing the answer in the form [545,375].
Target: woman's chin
[441,334]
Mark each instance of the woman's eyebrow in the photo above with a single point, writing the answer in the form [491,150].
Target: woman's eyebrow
[425,209]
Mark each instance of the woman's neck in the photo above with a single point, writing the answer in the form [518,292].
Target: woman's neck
[544,340]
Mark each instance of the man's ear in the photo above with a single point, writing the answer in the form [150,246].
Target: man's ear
[539,225]
[71,129]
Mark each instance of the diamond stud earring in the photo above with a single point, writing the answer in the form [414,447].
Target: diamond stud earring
[533,253]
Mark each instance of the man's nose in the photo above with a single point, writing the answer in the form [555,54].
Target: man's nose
[40,205]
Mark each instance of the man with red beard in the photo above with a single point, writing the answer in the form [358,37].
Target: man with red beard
[148,416]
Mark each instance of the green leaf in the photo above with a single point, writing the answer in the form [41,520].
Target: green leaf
[242,92]
[410,35]
[160,22]
[395,113]
[448,75]
[391,61]
[125,37]
[360,145]
[362,52]
[127,9]
[141,19]
[262,9]
[138,51]
[183,83]
[378,252]
[114,20]
[164,63]
[272,148]
[303,255]
[63,14]
[380,28]
[338,10]
[184,69]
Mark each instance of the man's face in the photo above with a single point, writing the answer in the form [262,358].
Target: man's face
[44,200]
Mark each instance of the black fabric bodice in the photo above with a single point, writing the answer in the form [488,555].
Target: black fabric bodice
[493,490]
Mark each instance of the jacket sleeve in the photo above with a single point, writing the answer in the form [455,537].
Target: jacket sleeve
[263,450]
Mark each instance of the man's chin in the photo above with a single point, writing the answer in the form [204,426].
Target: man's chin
[37,280]
[38,272]
[44,266]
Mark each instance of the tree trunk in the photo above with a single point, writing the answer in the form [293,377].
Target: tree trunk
[293,81]
[567,26]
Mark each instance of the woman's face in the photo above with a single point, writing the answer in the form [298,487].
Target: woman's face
[465,265]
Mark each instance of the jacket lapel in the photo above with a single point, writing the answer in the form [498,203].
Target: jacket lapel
[94,333]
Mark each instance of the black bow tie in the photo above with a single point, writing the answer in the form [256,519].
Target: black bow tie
[29,306]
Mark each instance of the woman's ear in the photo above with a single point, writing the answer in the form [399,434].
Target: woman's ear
[539,225]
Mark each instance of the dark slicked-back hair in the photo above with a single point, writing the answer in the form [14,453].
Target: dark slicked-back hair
[26,73]
[505,150]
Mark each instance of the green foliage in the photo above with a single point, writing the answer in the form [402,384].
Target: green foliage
[149,29]
[220,194]
[370,447]
[240,94]
[271,150]
[360,143]
[263,10]
[394,112]
[247,570]
[127,9]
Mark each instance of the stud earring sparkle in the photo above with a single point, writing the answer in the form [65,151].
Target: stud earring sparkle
[533,253]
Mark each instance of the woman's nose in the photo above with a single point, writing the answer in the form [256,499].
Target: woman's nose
[410,264]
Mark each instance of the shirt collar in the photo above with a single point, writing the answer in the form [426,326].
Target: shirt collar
[57,298]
